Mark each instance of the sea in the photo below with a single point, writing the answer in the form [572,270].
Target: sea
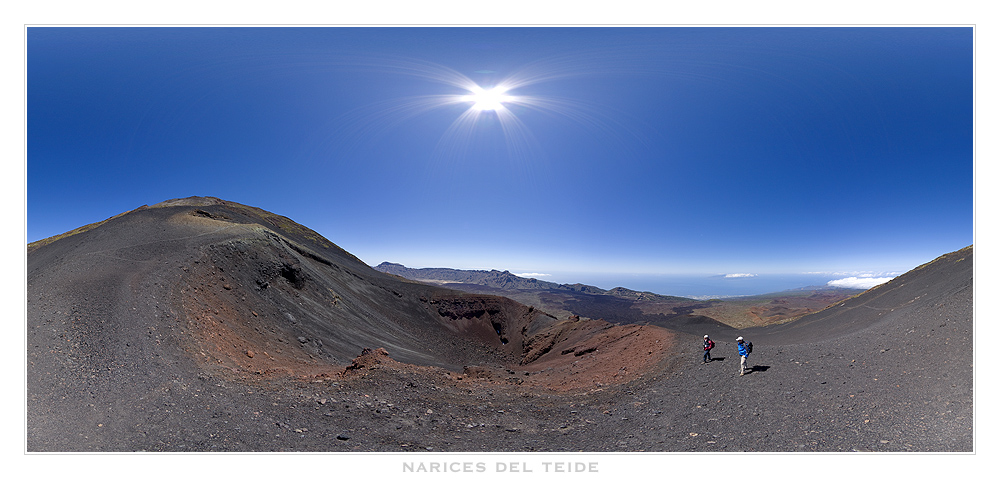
[705,286]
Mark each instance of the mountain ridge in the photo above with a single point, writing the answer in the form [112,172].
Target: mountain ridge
[202,287]
[203,325]
[625,306]
[507,280]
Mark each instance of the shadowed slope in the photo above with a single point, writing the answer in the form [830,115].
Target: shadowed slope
[125,317]
[201,325]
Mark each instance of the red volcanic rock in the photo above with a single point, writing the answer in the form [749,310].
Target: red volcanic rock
[134,342]
[369,358]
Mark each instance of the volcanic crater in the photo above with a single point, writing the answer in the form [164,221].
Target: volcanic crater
[200,324]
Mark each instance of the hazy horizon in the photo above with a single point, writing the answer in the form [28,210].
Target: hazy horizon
[703,285]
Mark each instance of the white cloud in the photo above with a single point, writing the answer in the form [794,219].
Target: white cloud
[532,275]
[862,282]
[858,274]
[740,275]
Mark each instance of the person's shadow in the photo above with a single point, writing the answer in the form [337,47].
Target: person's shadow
[756,368]
[720,358]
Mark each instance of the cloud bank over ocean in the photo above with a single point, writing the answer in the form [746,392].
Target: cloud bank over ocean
[720,285]
[864,282]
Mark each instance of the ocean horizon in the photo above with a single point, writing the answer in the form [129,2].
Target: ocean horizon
[708,286]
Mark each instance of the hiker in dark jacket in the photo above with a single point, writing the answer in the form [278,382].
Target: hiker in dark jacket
[709,344]
[744,355]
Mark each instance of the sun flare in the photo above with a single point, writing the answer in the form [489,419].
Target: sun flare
[492,99]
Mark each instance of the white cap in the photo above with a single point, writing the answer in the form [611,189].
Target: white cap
[739,338]
[706,335]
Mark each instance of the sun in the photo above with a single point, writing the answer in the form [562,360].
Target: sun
[485,100]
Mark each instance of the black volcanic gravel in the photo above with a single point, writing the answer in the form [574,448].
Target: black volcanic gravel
[108,370]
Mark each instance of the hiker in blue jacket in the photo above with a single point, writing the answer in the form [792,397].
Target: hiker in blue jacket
[744,355]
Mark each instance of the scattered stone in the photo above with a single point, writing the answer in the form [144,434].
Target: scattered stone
[343,437]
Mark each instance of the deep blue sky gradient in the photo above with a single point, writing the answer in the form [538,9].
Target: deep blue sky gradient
[670,150]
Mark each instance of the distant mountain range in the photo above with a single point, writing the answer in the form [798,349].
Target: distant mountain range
[508,281]
[163,328]
[626,306]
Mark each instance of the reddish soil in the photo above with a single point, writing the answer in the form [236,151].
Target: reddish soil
[578,355]
[202,325]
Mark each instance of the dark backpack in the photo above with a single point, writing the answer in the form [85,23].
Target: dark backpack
[749,346]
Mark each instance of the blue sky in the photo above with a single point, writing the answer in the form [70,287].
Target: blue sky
[617,151]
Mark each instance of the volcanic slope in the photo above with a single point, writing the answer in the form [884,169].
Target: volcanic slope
[204,325]
[187,325]
[890,369]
